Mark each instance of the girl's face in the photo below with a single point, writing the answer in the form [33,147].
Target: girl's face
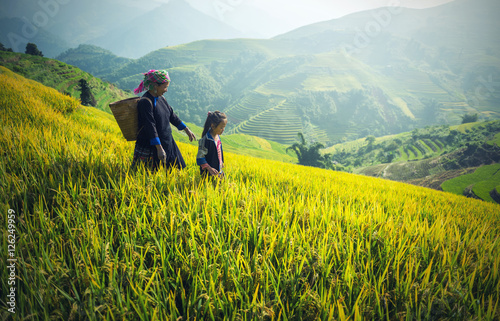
[219,129]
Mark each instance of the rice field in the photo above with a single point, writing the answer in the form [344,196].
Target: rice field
[279,123]
[251,103]
[482,182]
[273,241]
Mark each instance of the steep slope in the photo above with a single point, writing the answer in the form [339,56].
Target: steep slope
[273,240]
[61,76]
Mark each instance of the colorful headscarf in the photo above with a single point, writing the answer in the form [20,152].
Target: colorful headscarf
[150,78]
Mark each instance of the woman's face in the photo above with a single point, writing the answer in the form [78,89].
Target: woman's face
[219,129]
[162,88]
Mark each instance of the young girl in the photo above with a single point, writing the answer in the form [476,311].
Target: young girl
[210,157]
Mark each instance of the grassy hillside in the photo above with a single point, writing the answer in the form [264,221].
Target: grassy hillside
[428,157]
[481,184]
[94,60]
[274,241]
[61,76]
[419,144]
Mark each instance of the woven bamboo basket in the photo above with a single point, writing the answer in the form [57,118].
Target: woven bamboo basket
[125,112]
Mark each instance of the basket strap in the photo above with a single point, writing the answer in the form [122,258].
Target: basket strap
[149,101]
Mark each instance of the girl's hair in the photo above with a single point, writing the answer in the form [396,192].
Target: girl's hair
[213,118]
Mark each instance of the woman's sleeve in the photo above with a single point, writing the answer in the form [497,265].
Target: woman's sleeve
[145,109]
[174,119]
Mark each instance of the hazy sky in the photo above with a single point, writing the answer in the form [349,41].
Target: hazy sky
[291,14]
[310,10]
[257,18]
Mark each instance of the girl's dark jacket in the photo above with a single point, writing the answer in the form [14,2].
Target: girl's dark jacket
[207,153]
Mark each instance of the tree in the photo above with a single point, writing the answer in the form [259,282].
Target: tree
[3,48]
[86,95]
[32,49]
[469,118]
[309,155]
[370,139]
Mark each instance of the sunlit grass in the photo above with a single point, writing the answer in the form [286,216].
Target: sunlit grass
[274,241]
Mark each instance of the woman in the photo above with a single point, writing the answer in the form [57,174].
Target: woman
[155,143]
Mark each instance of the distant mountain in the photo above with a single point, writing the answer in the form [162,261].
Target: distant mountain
[95,60]
[455,31]
[171,24]
[56,26]
[126,30]
[16,33]
[418,68]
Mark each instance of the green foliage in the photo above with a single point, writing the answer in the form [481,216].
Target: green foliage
[86,96]
[309,154]
[62,77]
[193,105]
[3,48]
[469,118]
[422,143]
[32,49]
[370,139]
[482,182]
[94,60]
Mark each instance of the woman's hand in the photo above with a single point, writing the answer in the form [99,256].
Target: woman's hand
[190,134]
[162,156]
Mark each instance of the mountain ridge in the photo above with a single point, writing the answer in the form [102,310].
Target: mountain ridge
[167,25]
[125,30]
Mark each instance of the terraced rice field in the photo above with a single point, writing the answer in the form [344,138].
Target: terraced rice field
[279,124]
[243,110]
[318,135]
[282,86]
[482,182]
[421,85]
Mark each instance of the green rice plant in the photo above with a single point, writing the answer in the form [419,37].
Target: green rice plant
[487,176]
[273,241]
